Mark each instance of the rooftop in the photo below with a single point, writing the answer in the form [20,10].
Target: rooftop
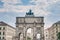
[2,23]
[5,24]
[57,22]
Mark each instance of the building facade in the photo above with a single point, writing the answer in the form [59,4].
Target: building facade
[46,34]
[53,31]
[6,31]
[29,21]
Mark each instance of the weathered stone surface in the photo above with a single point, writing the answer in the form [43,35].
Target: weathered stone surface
[36,23]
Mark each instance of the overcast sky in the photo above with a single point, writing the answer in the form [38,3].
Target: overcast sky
[49,9]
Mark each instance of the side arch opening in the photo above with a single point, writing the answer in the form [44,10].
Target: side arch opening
[38,36]
[29,33]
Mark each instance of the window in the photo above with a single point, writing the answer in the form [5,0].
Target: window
[0,37]
[46,35]
[3,37]
[3,33]
[0,28]
[56,24]
[0,33]
[3,28]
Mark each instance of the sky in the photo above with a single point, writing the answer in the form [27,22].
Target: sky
[49,9]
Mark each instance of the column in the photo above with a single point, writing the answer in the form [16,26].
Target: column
[24,34]
[34,33]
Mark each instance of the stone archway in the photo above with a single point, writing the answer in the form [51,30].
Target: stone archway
[35,30]
[30,21]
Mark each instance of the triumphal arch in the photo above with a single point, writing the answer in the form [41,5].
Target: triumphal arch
[29,21]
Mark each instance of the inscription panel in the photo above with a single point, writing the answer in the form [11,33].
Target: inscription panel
[29,20]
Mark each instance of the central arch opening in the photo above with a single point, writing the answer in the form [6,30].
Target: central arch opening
[38,36]
[29,34]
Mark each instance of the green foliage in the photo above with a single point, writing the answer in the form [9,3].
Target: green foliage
[28,38]
[58,35]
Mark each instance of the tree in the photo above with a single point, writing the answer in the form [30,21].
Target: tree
[58,35]
[28,38]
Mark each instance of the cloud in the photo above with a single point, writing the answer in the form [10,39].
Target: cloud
[39,7]
[22,8]
[36,9]
[12,1]
[9,17]
[40,4]
[54,8]
[52,1]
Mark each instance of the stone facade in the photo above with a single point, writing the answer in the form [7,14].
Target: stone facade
[6,31]
[53,31]
[46,34]
[29,21]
